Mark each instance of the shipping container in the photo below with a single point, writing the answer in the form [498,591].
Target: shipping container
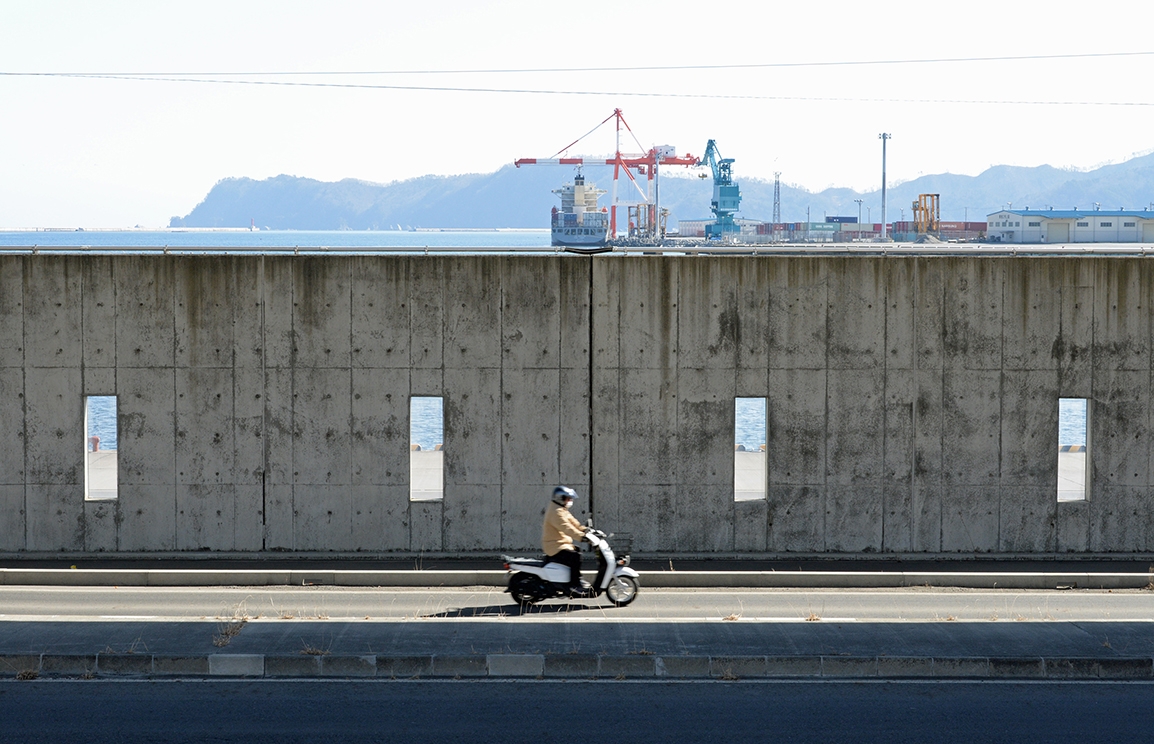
[841,220]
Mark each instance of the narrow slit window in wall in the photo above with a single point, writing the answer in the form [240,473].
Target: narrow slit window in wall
[426,450]
[749,455]
[100,468]
[1073,449]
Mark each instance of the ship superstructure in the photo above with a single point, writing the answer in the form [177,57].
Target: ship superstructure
[580,222]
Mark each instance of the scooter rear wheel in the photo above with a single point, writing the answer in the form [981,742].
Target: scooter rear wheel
[521,590]
[622,590]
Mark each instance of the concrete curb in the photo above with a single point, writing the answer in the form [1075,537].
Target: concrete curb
[658,579]
[570,666]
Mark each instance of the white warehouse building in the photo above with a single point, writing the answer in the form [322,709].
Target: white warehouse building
[1070,226]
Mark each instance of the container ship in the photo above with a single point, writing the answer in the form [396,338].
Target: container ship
[579,223]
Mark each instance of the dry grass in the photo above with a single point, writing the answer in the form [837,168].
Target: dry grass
[732,618]
[950,618]
[25,675]
[310,650]
[225,632]
[642,652]
[131,648]
[813,618]
[728,675]
[286,615]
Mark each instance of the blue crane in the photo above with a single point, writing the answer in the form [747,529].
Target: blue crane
[726,194]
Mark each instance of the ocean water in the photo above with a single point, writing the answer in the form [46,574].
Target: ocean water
[749,422]
[427,422]
[1071,421]
[102,420]
[426,427]
[336,239]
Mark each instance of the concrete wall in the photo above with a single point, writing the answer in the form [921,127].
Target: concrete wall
[264,401]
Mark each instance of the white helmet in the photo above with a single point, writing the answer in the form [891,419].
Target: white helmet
[561,494]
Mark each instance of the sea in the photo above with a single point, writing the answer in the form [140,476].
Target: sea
[519,240]
[427,422]
[428,414]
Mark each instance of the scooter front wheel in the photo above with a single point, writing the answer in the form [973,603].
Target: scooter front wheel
[622,590]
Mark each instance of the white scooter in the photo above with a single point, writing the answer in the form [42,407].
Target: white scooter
[532,580]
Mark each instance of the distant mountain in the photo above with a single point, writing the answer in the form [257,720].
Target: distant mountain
[522,197]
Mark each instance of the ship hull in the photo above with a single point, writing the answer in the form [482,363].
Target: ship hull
[577,237]
[580,243]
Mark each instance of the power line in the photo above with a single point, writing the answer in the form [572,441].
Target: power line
[555,92]
[646,68]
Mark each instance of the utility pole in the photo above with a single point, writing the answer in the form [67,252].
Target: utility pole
[858,218]
[884,137]
[777,197]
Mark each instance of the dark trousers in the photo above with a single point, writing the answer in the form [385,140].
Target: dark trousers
[572,559]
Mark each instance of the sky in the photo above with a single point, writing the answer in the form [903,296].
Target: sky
[799,88]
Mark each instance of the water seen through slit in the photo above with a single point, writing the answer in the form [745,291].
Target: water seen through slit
[428,416]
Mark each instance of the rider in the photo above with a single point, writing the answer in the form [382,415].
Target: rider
[557,535]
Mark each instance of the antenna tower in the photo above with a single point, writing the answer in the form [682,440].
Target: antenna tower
[777,197]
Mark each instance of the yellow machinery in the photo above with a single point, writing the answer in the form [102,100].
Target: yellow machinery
[927,214]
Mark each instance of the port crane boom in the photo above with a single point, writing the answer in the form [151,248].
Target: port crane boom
[645,163]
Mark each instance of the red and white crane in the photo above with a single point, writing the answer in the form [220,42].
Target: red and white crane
[645,163]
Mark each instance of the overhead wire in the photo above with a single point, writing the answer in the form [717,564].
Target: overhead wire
[621,68]
[619,94]
[238,78]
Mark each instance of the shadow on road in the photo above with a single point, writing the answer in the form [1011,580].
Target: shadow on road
[512,609]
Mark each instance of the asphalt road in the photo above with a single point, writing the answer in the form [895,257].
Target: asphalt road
[96,712]
[781,605]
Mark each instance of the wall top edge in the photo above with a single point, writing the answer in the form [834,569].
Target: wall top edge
[1108,250]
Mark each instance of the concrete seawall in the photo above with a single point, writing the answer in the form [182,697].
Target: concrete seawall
[263,401]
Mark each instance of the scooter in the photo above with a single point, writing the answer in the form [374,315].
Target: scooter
[533,580]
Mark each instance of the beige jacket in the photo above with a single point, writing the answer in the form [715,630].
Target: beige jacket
[559,530]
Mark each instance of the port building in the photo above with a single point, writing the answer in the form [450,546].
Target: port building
[1070,226]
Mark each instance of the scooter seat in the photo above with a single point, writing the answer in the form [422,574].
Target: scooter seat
[538,562]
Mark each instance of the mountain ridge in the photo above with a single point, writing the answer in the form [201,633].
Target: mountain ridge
[522,197]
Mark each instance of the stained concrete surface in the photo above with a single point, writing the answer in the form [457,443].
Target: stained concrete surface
[264,401]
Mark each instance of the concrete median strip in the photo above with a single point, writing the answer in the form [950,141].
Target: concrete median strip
[655,579]
[572,666]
